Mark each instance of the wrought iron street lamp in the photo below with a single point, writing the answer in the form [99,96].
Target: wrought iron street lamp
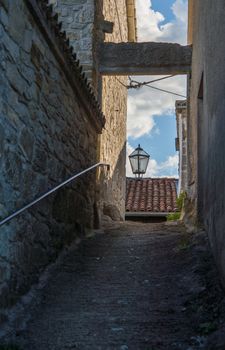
[139,161]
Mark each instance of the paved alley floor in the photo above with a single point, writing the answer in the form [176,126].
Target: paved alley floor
[137,286]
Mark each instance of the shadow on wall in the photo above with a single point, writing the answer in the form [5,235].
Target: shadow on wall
[111,195]
[49,131]
[33,240]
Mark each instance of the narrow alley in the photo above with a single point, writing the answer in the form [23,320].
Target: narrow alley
[135,286]
[82,83]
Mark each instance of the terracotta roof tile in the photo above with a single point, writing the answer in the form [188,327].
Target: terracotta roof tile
[151,195]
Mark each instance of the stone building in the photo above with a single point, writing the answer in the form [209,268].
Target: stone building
[206,123]
[88,24]
[56,120]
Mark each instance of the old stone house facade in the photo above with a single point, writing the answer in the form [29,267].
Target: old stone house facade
[56,120]
[206,123]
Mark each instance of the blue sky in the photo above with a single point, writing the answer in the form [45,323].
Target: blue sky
[164,7]
[161,141]
[151,114]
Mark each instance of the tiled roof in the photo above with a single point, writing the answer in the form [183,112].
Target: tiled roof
[156,195]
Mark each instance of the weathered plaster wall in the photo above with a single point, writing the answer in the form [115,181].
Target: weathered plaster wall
[114,106]
[47,133]
[207,122]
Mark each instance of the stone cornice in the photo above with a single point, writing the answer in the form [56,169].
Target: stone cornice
[48,24]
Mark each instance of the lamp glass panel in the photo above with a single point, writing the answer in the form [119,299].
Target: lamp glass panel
[134,164]
[139,164]
[143,163]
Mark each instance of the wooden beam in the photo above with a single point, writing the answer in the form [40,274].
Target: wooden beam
[148,58]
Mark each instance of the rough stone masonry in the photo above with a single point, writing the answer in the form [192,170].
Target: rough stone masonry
[85,21]
[78,21]
[49,129]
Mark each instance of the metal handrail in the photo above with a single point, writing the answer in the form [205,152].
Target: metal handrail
[37,200]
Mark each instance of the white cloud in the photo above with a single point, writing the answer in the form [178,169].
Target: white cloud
[164,169]
[171,162]
[145,102]
[180,11]
[151,27]
[148,21]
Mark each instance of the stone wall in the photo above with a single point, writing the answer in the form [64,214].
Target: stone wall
[77,18]
[114,106]
[206,123]
[88,22]
[49,129]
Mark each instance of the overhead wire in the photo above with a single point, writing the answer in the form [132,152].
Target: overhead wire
[151,81]
[137,85]
[167,91]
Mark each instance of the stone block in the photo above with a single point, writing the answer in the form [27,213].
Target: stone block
[39,257]
[26,59]
[13,167]
[76,26]
[64,12]
[2,32]
[41,232]
[4,292]
[73,36]
[26,141]
[2,139]
[5,4]
[112,211]
[15,79]
[4,271]
[16,22]
[36,55]
[40,159]
[27,73]
[4,18]
[14,121]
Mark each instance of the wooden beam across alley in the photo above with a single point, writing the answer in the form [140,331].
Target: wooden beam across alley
[148,58]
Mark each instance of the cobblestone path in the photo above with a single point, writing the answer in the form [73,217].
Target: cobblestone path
[125,289]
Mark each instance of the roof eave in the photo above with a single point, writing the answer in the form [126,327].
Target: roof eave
[146,214]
